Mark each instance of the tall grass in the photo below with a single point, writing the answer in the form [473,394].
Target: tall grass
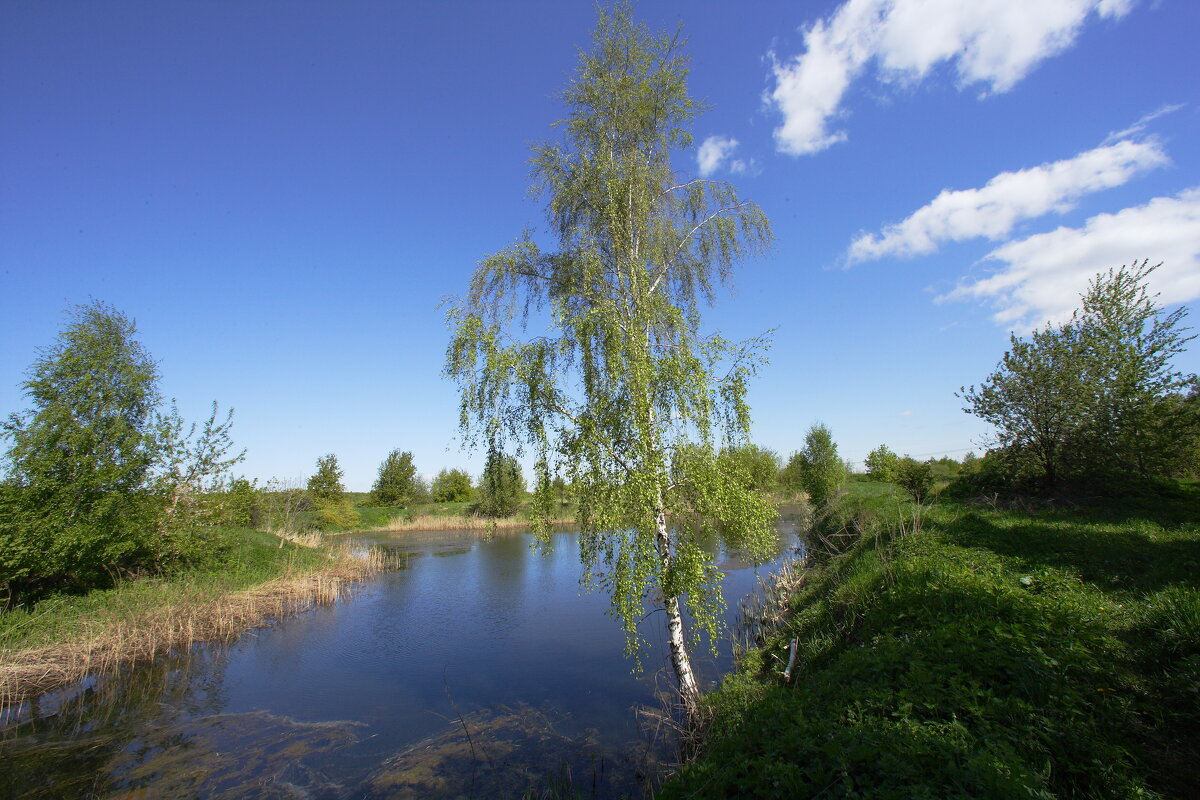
[465,522]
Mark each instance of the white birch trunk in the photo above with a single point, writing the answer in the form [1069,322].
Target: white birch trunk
[689,690]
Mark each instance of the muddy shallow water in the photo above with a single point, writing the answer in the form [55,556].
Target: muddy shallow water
[480,668]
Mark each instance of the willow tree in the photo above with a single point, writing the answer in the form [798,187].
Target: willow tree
[620,389]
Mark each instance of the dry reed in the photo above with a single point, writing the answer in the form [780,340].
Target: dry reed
[109,643]
[458,522]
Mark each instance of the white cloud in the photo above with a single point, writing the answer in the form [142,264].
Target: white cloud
[714,151]
[1009,198]
[1139,127]
[993,42]
[1044,274]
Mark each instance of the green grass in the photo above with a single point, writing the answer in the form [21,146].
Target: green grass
[249,558]
[994,653]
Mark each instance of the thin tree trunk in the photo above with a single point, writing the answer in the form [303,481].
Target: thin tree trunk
[689,690]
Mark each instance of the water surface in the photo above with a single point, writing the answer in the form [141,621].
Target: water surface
[477,668]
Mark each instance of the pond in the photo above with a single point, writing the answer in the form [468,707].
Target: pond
[478,668]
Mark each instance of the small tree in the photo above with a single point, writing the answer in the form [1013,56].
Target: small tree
[758,466]
[1129,345]
[284,500]
[915,477]
[421,493]
[325,486]
[881,464]
[559,489]
[791,476]
[329,495]
[500,487]
[81,458]
[1091,395]
[451,486]
[396,484]
[626,377]
[822,471]
[242,506]
[192,464]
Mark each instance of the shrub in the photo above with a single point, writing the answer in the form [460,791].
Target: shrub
[500,487]
[451,486]
[822,471]
[397,479]
[915,477]
[881,464]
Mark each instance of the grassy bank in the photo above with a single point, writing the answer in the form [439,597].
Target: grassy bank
[427,517]
[64,638]
[1040,652]
[458,516]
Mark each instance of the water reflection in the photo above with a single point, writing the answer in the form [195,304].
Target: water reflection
[473,642]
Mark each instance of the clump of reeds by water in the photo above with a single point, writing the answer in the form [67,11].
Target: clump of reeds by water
[457,522]
[764,610]
[164,616]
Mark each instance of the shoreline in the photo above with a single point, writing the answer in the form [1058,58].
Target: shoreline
[175,617]
[462,523]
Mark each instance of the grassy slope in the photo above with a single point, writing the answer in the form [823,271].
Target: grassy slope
[251,558]
[992,654]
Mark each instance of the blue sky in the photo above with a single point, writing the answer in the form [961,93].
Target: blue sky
[282,194]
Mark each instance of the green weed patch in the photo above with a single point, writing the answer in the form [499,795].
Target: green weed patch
[991,654]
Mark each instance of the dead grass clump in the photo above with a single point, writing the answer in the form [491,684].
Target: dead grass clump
[459,522]
[181,618]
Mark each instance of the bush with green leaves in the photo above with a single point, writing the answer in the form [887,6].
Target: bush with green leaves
[790,475]
[757,467]
[915,477]
[501,486]
[451,486]
[822,471]
[881,464]
[396,484]
[241,504]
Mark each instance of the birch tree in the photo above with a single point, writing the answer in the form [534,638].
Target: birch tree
[592,354]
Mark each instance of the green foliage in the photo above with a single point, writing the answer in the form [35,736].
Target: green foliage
[99,481]
[1130,345]
[991,654]
[625,378]
[1094,397]
[451,486]
[241,504]
[792,475]
[238,559]
[757,467]
[501,486]
[915,477]
[881,464]
[822,471]
[192,467]
[421,490]
[337,514]
[396,484]
[325,486]
[284,506]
